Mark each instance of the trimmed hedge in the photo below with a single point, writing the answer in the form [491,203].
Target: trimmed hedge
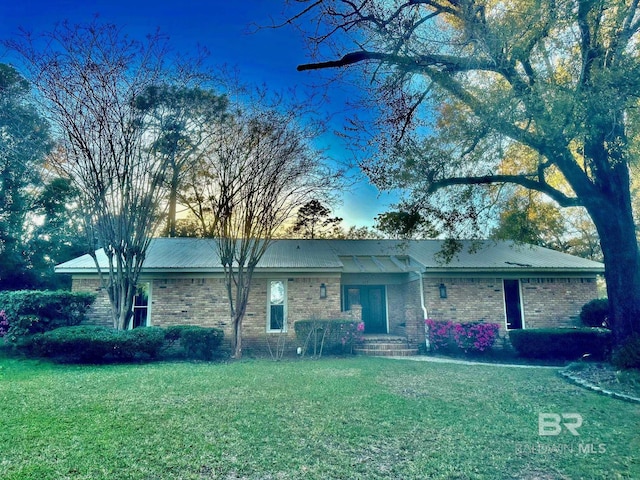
[595,313]
[562,343]
[197,342]
[93,344]
[328,336]
[33,311]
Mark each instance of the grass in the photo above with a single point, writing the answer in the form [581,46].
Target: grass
[329,419]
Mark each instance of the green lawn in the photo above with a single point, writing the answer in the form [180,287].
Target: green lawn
[334,418]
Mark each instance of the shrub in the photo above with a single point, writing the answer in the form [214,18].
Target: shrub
[32,311]
[439,334]
[595,313]
[4,324]
[93,344]
[472,337]
[562,343]
[475,337]
[78,343]
[628,354]
[173,333]
[330,336]
[147,341]
[199,342]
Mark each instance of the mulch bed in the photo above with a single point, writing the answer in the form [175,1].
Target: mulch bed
[603,377]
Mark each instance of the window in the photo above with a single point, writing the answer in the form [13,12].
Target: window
[141,306]
[277,308]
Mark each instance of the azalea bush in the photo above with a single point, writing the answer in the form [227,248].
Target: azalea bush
[473,337]
[439,333]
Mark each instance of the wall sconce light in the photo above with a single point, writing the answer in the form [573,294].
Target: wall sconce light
[443,290]
[323,290]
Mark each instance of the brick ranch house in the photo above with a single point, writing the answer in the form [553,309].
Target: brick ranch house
[391,285]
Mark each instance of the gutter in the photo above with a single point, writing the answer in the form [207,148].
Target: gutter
[425,313]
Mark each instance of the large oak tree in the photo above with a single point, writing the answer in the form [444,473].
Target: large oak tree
[464,82]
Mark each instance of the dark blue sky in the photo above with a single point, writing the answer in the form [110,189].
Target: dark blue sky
[268,56]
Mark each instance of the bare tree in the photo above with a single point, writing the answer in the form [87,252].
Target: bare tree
[462,83]
[258,172]
[89,77]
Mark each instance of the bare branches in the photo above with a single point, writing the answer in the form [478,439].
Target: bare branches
[89,77]
[255,172]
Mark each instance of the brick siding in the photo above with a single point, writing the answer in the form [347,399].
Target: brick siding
[180,300]
[546,302]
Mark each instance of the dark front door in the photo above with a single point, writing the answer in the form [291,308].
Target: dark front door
[374,306]
[513,304]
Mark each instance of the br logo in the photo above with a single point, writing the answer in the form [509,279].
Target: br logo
[551,424]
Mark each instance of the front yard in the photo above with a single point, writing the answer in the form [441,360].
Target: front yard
[328,419]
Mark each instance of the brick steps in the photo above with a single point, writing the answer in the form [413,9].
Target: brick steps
[385,346]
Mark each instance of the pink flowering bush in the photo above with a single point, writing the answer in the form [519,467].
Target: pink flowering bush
[439,333]
[350,334]
[469,337]
[475,337]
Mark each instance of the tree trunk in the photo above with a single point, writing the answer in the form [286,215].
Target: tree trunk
[622,262]
[173,203]
[237,337]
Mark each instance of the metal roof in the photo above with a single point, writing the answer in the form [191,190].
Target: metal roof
[354,256]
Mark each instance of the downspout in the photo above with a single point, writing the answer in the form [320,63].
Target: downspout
[425,313]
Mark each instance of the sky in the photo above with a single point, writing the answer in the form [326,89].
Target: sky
[227,29]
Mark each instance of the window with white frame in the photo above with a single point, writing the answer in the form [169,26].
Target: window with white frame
[141,306]
[277,307]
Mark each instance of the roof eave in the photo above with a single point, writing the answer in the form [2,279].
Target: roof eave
[527,270]
[206,270]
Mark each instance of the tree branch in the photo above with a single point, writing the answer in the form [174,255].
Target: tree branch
[417,63]
[524,181]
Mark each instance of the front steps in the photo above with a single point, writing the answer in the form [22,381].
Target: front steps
[385,346]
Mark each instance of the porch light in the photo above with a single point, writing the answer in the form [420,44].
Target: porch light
[443,290]
[323,290]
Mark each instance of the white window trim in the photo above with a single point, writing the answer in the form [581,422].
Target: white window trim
[285,313]
[133,307]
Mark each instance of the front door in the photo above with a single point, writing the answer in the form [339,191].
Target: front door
[513,304]
[373,302]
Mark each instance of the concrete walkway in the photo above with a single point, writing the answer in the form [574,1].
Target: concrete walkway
[426,358]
